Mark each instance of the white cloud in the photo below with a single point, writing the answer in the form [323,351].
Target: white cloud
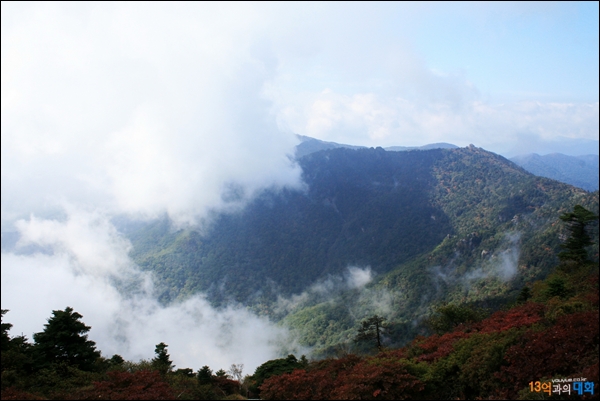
[88,238]
[357,277]
[88,255]
[503,264]
[326,290]
[136,109]
[158,108]
[376,120]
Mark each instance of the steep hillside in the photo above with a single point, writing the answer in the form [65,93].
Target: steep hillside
[448,209]
[537,348]
[504,234]
[362,207]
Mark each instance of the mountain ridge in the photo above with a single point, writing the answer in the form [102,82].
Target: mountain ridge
[365,207]
[580,171]
[310,145]
[459,225]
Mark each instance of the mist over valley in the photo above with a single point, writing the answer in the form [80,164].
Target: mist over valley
[368,231]
[207,200]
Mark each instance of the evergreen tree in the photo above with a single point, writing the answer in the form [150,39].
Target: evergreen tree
[5,337]
[64,341]
[16,355]
[186,372]
[275,367]
[556,287]
[205,375]
[524,295]
[446,317]
[574,247]
[116,360]
[162,361]
[371,329]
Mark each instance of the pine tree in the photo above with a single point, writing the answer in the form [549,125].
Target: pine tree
[5,344]
[371,329]
[205,375]
[574,247]
[64,341]
[162,361]
[16,353]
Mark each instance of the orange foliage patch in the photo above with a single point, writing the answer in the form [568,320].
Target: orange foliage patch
[350,378]
[142,385]
[524,315]
[12,393]
[567,349]
[436,347]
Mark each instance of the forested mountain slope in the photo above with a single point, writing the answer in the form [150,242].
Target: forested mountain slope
[545,341]
[447,209]
[504,234]
[362,207]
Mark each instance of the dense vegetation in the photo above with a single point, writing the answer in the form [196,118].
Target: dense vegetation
[444,225]
[483,277]
[362,207]
[550,332]
[63,364]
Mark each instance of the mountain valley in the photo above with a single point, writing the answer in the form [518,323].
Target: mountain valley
[420,228]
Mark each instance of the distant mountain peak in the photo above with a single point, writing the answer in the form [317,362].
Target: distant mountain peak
[310,145]
[580,171]
[437,145]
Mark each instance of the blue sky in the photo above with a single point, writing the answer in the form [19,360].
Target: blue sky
[486,62]
[535,51]
[115,102]
[509,51]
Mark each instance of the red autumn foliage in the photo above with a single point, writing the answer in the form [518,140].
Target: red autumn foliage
[519,316]
[592,373]
[374,378]
[565,349]
[225,385]
[298,385]
[348,378]
[11,393]
[592,297]
[436,347]
[315,384]
[393,353]
[141,385]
